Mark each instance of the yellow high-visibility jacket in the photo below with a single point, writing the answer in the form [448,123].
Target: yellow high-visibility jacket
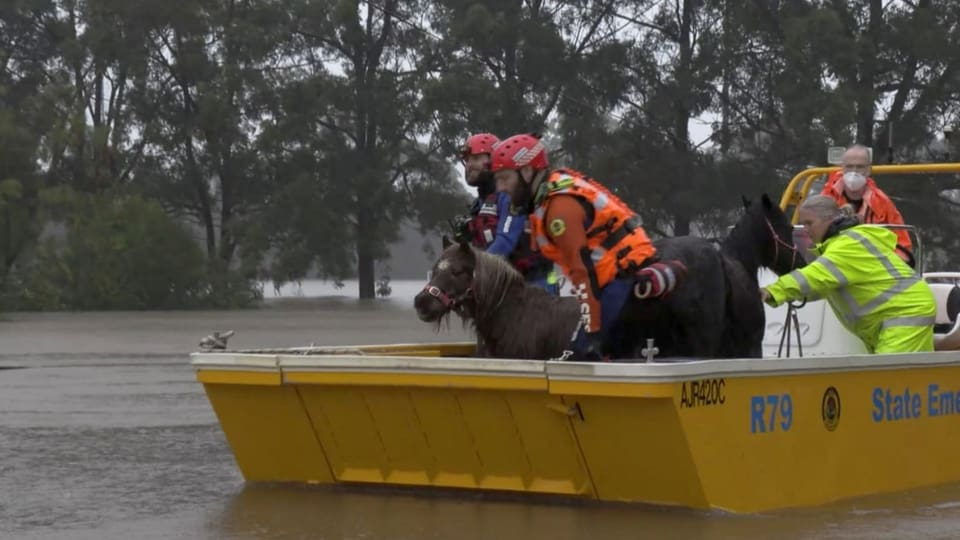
[869,287]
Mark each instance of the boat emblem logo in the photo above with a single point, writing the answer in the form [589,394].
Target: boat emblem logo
[830,409]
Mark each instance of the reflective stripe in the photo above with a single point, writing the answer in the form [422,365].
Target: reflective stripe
[601,201]
[908,321]
[851,312]
[902,282]
[605,210]
[832,268]
[802,282]
[900,286]
[891,269]
[506,223]
[851,307]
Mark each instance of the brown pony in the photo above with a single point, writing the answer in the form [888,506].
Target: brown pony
[511,318]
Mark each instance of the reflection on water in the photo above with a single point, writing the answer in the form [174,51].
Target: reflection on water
[402,290]
[261,512]
[280,512]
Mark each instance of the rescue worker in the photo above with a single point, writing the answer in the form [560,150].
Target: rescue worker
[876,296]
[853,185]
[591,234]
[491,227]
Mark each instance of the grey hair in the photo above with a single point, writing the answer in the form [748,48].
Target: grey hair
[826,207]
[862,148]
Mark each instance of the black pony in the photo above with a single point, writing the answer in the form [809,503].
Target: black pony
[715,312]
[763,238]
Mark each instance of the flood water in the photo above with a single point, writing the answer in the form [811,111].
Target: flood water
[105,433]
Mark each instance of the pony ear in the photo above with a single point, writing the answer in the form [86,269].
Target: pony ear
[746,201]
[445,242]
[464,244]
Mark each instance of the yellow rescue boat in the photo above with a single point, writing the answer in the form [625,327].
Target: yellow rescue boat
[742,435]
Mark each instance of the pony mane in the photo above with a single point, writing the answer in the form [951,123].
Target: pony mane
[493,277]
[515,319]
[761,224]
[741,242]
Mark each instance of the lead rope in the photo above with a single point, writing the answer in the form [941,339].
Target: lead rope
[785,334]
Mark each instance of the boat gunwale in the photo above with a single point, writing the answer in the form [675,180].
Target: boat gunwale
[450,365]
[746,367]
[655,372]
[236,362]
[339,363]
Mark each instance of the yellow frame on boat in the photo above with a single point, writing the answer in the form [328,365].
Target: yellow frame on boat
[798,189]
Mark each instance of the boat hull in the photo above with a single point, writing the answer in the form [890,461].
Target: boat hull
[738,435]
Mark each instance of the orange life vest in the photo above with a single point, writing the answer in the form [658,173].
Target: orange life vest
[614,236]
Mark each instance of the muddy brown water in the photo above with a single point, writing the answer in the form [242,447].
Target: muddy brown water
[105,433]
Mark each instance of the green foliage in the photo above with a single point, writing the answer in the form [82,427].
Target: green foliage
[297,135]
[124,253]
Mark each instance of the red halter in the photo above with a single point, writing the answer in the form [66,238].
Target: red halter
[448,301]
[777,242]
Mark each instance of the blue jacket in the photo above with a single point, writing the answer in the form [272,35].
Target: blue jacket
[509,228]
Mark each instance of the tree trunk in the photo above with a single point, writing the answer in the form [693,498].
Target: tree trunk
[681,111]
[682,101]
[365,255]
[227,242]
[203,196]
[727,82]
[866,101]
[194,172]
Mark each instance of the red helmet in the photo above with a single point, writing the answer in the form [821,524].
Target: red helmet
[517,151]
[481,143]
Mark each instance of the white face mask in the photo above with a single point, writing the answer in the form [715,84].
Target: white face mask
[854,181]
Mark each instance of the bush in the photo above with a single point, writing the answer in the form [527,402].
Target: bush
[126,253]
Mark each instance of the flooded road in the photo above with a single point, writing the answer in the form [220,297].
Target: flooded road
[104,433]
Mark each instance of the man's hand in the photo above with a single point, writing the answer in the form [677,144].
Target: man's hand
[461,229]
[765,295]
